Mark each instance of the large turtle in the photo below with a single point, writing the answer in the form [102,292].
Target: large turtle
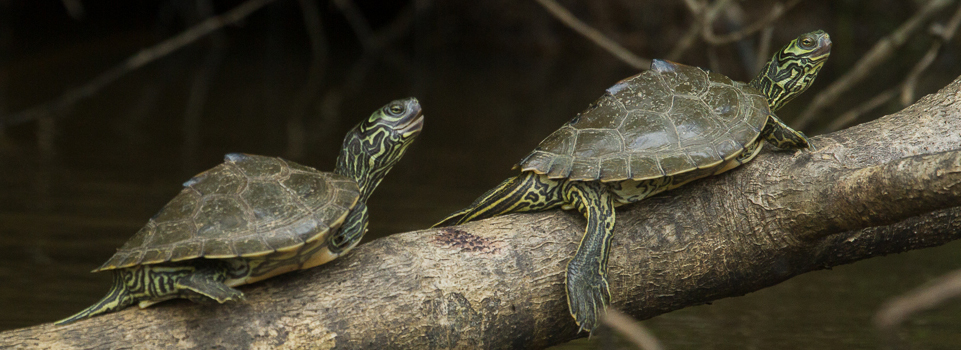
[649,133]
[254,217]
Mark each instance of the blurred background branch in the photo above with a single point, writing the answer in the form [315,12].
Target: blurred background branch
[883,50]
[135,62]
[594,35]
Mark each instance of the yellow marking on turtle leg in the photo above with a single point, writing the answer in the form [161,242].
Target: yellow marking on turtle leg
[749,153]
[271,273]
[312,254]
[352,230]
[321,257]
[588,292]
[207,282]
[631,191]
[117,298]
[148,303]
[522,193]
[147,285]
[784,137]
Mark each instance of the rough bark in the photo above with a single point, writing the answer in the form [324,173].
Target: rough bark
[878,188]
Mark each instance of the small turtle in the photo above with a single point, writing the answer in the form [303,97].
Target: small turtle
[649,133]
[254,217]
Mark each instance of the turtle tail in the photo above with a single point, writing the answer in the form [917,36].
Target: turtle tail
[522,193]
[118,298]
[454,218]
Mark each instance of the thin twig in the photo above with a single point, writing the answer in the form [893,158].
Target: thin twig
[134,62]
[594,35]
[872,59]
[371,40]
[711,12]
[199,90]
[375,48]
[775,14]
[713,61]
[695,6]
[631,330]
[763,49]
[74,9]
[703,16]
[944,35]
[401,25]
[907,87]
[895,311]
[687,40]
[852,115]
[296,133]
[357,22]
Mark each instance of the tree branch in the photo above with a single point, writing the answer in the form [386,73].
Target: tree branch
[883,187]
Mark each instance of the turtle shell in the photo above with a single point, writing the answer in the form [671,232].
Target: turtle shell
[248,206]
[668,120]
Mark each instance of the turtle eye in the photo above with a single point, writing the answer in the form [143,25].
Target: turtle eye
[395,109]
[807,43]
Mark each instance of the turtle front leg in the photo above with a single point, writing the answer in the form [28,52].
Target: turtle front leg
[782,136]
[350,233]
[588,292]
[339,243]
[204,284]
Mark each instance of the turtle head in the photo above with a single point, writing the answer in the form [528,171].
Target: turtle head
[372,147]
[793,68]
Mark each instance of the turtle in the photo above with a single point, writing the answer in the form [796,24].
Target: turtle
[651,132]
[254,217]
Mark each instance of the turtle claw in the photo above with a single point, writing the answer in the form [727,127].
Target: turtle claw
[588,295]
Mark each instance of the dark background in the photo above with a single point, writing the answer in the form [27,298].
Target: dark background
[494,77]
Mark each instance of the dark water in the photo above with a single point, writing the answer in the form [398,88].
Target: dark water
[74,187]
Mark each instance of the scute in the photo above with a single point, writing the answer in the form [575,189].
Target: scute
[645,130]
[705,156]
[248,206]
[585,169]
[693,121]
[666,121]
[271,203]
[220,216]
[594,143]
[224,181]
[723,100]
[645,167]
[683,80]
[615,169]
[643,92]
[560,141]
[676,163]
[183,205]
[561,167]
[258,166]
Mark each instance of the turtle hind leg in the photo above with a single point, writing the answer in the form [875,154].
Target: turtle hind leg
[522,193]
[118,298]
[588,292]
[454,218]
[205,284]
[784,137]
